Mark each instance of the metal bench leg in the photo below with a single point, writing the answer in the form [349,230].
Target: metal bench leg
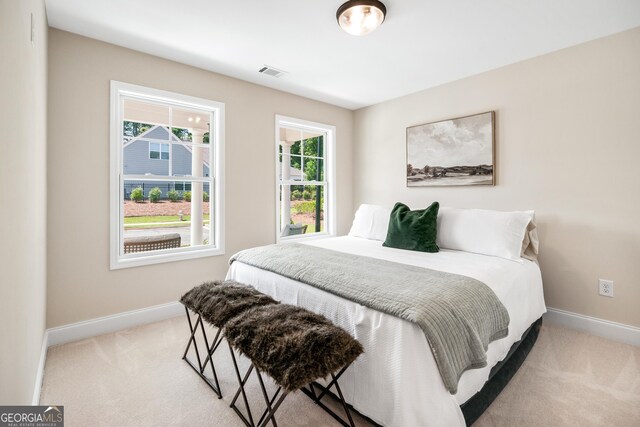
[209,359]
[241,381]
[268,401]
[317,398]
[215,385]
[192,339]
[273,410]
[344,404]
[273,399]
[269,413]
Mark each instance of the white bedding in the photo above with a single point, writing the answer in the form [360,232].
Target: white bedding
[396,381]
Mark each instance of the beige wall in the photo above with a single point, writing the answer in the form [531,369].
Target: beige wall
[80,284]
[568,146]
[23,96]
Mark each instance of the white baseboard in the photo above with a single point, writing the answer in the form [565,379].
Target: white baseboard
[600,327]
[99,326]
[113,323]
[40,373]
[104,325]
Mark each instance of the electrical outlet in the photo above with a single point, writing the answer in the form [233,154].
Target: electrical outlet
[605,288]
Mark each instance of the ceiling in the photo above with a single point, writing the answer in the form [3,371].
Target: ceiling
[422,43]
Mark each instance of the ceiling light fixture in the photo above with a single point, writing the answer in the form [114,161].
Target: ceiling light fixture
[360,17]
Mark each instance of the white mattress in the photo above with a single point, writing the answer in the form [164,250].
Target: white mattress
[396,381]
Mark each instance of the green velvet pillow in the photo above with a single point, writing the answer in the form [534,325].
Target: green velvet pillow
[413,230]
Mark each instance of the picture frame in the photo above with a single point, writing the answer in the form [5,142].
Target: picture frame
[452,152]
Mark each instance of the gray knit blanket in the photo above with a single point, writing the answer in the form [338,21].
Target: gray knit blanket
[459,315]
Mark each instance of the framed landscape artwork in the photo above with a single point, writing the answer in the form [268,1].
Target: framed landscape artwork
[452,152]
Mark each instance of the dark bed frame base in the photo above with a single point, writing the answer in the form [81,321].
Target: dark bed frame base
[501,374]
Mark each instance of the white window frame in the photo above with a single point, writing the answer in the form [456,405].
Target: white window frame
[330,212]
[160,144]
[118,259]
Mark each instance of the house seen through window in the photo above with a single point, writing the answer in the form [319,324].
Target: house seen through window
[167,173]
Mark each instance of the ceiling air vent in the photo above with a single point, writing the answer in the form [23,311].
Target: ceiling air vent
[270,71]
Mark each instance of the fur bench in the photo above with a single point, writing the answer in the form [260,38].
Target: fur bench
[292,345]
[216,303]
[295,347]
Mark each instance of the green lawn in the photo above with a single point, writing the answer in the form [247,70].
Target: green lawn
[152,221]
[158,218]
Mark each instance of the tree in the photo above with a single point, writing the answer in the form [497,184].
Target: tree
[133,129]
[185,135]
[310,147]
[182,134]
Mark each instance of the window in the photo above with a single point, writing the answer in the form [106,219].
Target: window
[305,179]
[158,151]
[167,159]
[182,186]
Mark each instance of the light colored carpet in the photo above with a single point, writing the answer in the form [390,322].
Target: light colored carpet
[136,378]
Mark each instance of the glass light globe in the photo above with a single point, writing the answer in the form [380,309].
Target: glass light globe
[362,17]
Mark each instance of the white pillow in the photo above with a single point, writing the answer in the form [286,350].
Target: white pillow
[486,232]
[371,222]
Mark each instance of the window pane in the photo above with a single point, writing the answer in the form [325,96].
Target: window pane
[320,146]
[182,134]
[286,160]
[132,130]
[189,122]
[183,157]
[294,172]
[294,148]
[141,156]
[313,147]
[144,112]
[313,169]
[164,151]
[204,162]
[301,209]
[153,224]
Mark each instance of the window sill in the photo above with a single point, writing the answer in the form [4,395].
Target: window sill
[312,236]
[131,260]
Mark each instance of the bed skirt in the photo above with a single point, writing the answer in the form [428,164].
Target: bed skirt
[501,374]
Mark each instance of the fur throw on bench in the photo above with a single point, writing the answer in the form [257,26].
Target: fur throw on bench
[291,344]
[218,302]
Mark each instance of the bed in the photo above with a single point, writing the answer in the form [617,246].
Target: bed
[396,381]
